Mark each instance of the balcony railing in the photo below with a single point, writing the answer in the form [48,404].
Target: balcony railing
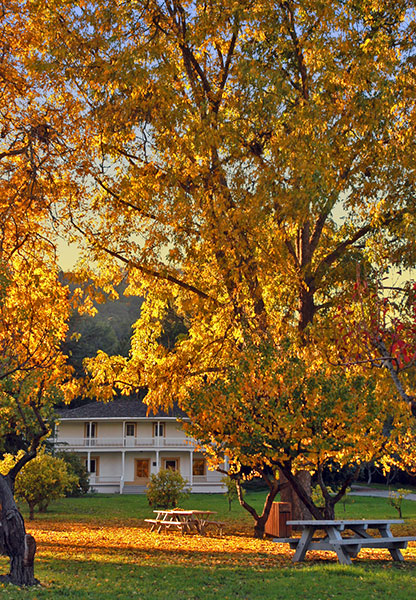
[127,442]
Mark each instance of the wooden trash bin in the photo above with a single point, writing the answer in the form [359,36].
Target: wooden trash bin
[276,523]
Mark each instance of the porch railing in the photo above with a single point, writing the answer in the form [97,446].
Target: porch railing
[127,442]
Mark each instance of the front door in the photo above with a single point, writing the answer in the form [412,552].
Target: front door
[141,471]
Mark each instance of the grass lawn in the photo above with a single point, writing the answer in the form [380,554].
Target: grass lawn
[97,547]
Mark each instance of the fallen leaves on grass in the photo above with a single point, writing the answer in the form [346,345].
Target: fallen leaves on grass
[138,545]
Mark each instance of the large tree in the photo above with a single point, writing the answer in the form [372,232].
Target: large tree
[238,160]
[33,376]
[33,304]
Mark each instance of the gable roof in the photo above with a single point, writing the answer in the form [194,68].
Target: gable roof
[119,408]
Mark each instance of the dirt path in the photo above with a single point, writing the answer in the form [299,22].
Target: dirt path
[358,490]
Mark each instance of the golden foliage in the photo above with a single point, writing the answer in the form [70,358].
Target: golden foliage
[205,151]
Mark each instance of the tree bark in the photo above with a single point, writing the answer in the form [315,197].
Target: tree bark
[307,308]
[299,511]
[16,544]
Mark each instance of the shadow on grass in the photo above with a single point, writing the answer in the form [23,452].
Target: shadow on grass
[95,580]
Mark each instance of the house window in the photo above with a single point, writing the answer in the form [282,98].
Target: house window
[94,465]
[198,467]
[158,429]
[142,468]
[171,463]
[90,430]
[131,429]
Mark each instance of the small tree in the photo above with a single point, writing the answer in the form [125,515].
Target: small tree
[166,488]
[43,479]
[396,499]
[232,492]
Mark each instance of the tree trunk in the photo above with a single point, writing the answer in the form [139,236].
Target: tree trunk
[299,511]
[307,308]
[329,511]
[259,520]
[16,544]
[43,506]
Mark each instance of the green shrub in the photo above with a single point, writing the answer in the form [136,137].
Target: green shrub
[166,488]
[75,467]
[41,480]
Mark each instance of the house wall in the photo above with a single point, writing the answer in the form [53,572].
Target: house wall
[174,430]
[110,464]
[71,430]
[109,430]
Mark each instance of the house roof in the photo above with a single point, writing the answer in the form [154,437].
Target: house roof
[119,408]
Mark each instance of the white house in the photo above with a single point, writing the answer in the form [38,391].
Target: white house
[122,446]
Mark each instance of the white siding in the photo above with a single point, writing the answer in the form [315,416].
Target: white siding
[109,430]
[71,430]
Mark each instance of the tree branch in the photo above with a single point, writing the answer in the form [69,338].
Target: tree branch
[16,152]
[163,276]
[339,250]
[125,202]
[300,59]
[387,362]
[149,271]
[43,430]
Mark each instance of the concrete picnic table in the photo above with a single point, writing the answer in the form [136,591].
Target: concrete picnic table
[348,546]
[185,520]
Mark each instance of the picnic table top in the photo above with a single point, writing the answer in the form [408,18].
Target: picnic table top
[344,522]
[174,511]
[346,548]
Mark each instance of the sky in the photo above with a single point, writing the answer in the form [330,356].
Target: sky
[68,254]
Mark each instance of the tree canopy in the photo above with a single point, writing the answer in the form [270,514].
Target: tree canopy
[223,143]
[238,160]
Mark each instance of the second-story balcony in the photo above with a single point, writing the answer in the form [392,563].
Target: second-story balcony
[127,442]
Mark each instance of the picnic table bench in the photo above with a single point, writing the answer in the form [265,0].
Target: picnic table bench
[165,525]
[349,546]
[184,520]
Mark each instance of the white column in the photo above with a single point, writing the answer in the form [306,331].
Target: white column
[123,465]
[157,461]
[191,468]
[124,433]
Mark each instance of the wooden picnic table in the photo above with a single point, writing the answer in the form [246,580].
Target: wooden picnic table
[184,520]
[346,546]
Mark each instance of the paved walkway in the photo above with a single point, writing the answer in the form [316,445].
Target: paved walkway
[358,490]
